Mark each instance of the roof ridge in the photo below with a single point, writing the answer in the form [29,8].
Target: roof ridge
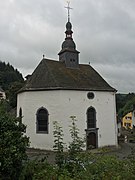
[50,72]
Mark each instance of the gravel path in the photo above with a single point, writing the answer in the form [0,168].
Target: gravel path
[36,154]
[123,151]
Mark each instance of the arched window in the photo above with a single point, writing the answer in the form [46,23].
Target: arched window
[42,121]
[91,118]
[20,114]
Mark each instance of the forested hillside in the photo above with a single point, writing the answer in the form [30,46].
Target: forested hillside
[11,80]
[8,75]
[124,103]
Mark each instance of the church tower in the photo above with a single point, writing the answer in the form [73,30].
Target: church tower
[68,53]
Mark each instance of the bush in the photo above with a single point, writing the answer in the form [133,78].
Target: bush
[37,170]
[13,145]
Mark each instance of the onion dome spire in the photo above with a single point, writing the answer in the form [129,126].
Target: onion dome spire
[69,54]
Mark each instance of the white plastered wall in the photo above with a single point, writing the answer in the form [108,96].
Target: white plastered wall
[61,104]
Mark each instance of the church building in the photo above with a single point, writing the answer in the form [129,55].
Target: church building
[59,89]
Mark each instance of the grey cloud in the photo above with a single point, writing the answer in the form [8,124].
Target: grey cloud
[104,32]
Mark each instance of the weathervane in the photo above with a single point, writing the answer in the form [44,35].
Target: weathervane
[68,8]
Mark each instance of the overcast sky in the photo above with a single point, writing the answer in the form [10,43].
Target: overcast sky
[104,33]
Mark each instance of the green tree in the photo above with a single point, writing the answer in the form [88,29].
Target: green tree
[12,93]
[13,144]
[120,101]
[8,75]
[124,103]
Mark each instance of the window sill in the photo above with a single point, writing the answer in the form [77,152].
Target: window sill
[42,132]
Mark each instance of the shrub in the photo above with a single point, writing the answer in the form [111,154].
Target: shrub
[13,145]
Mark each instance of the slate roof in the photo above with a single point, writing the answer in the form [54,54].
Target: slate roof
[51,75]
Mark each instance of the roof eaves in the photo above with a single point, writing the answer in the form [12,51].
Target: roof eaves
[66,88]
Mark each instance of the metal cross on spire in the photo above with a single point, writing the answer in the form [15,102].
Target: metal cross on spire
[68,8]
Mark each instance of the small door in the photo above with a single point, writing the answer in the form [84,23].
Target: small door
[91,140]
